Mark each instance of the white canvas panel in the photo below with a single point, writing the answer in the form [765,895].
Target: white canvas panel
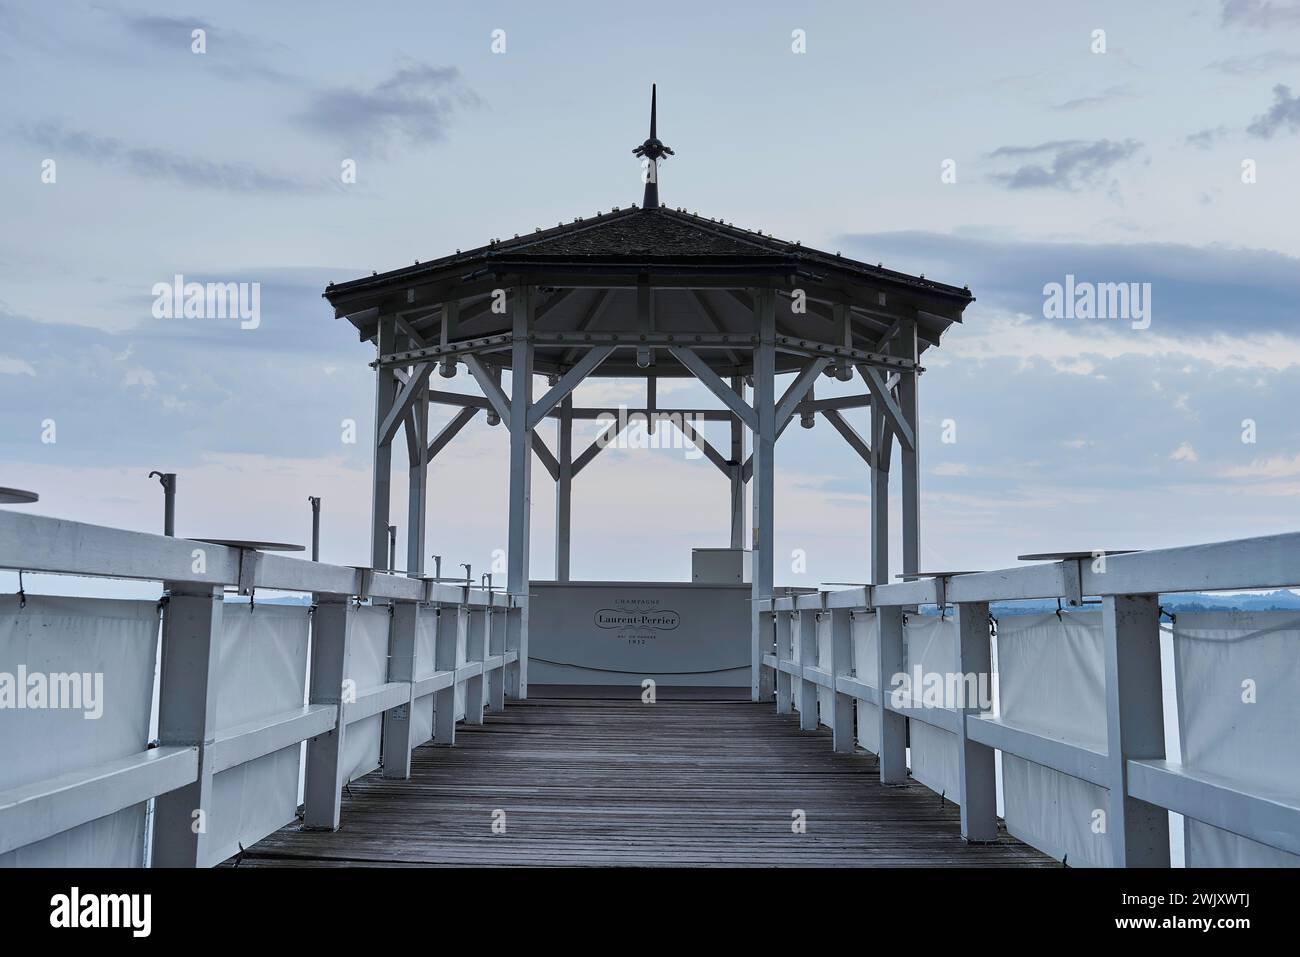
[115,639]
[261,672]
[866,669]
[931,643]
[1223,659]
[426,638]
[421,720]
[1051,681]
[934,759]
[368,669]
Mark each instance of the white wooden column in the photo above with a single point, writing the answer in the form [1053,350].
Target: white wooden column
[564,489]
[784,653]
[905,344]
[322,790]
[417,484]
[975,766]
[187,708]
[882,441]
[444,656]
[496,645]
[1135,726]
[475,650]
[764,479]
[396,759]
[521,446]
[737,468]
[806,647]
[841,656]
[893,726]
[382,476]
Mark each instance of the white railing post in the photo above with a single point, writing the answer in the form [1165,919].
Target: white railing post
[444,656]
[475,650]
[331,628]
[806,656]
[766,634]
[187,709]
[975,762]
[396,758]
[893,726]
[784,654]
[512,644]
[841,664]
[1135,726]
[496,645]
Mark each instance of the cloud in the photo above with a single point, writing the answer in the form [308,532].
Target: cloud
[1204,139]
[231,54]
[1261,14]
[1097,99]
[1277,466]
[1197,291]
[154,163]
[1067,165]
[414,105]
[1285,112]
[1255,63]
[1184,453]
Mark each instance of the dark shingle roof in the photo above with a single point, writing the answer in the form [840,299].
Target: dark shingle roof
[653,236]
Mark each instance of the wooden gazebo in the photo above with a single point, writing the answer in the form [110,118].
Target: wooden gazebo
[648,291]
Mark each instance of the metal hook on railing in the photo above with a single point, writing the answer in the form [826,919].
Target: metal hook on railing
[993,625]
[22,594]
[1173,619]
[1059,616]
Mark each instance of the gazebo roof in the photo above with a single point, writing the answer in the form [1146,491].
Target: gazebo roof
[588,271]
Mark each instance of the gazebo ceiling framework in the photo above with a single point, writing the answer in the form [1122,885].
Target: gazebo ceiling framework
[647,292]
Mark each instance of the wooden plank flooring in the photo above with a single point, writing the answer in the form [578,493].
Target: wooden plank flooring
[694,780]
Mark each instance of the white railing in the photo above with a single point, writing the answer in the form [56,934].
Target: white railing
[478,645]
[814,643]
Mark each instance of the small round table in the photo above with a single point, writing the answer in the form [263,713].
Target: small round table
[17,496]
[256,546]
[915,575]
[1066,556]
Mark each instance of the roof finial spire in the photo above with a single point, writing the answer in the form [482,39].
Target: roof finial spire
[652,151]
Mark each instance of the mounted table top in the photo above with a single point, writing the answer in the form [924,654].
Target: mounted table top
[1064,556]
[912,576]
[257,546]
[17,496]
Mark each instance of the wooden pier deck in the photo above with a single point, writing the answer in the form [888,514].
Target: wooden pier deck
[697,779]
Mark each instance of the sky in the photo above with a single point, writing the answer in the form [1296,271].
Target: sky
[1001,145]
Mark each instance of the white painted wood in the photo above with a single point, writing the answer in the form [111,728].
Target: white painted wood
[1071,759]
[805,625]
[397,744]
[893,726]
[762,419]
[784,626]
[44,808]
[842,727]
[1135,727]
[331,628]
[444,700]
[255,739]
[382,477]
[187,710]
[1271,818]
[975,764]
